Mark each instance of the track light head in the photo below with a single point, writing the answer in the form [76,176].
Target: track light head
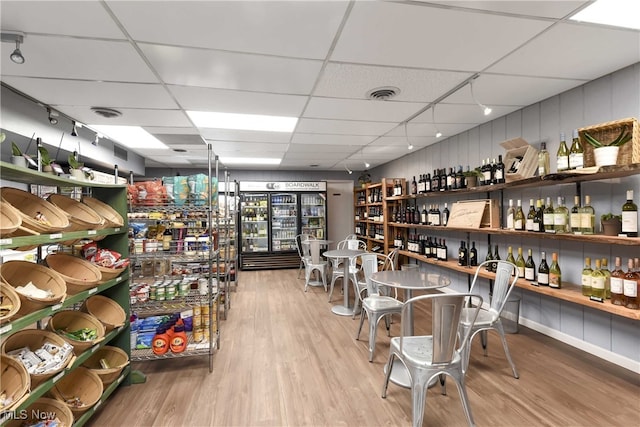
[96,141]
[367,164]
[74,131]
[485,110]
[410,146]
[349,171]
[53,116]
[17,38]
[438,134]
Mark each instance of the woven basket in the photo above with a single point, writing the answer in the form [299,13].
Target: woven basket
[111,216]
[34,339]
[73,320]
[606,132]
[106,310]
[10,219]
[79,274]
[115,357]
[81,383]
[15,380]
[30,206]
[110,273]
[81,216]
[9,296]
[19,273]
[43,406]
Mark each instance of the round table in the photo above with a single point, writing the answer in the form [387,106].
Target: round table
[409,280]
[320,242]
[346,255]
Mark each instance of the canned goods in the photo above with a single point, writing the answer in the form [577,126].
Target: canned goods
[198,334]
[197,321]
[160,293]
[197,311]
[204,309]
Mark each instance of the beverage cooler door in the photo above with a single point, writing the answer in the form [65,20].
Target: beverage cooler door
[254,219]
[313,214]
[284,221]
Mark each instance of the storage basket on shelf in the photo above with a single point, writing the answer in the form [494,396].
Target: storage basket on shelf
[629,153]
[79,390]
[44,406]
[114,357]
[79,274]
[109,273]
[106,310]
[81,216]
[20,273]
[15,382]
[68,321]
[35,339]
[10,302]
[111,216]
[10,219]
[37,214]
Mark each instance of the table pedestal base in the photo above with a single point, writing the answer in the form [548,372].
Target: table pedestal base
[341,310]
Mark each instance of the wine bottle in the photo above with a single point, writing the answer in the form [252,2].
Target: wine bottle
[435,181]
[561,217]
[520,264]
[499,175]
[543,270]
[462,254]
[488,266]
[473,255]
[543,160]
[597,282]
[630,287]
[511,259]
[630,216]
[586,277]
[445,215]
[486,172]
[443,179]
[530,268]
[617,288]
[576,153]
[562,157]
[423,215]
[555,275]
[531,216]
[414,186]
[451,179]
[548,217]
[575,218]
[444,256]
[460,178]
[416,215]
[604,267]
[538,221]
[511,213]
[519,220]
[496,257]
[427,183]
[587,217]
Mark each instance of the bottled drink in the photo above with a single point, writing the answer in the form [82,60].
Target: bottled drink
[538,221]
[555,275]
[630,287]
[416,215]
[423,215]
[499,176]
[481,177]
[414,186]
[586,277]
[511,213]
[543,271]
[597,282]
[530,268]
[576,153]
[443,251]
[443,179]
[531,215]
[488,266]
[574,217]
[496,257]
[543,160]
[435,181]
[562,157]
[604,267]
[617,288]
[510,258]
[630,216]
[462,254]
[519,219]
[445,215]
[397,242]
[427,183]
[520,264]
[460,178]
[451,179]
[548,217]
[561,217]
[435,217]
[473,255]
[587,217]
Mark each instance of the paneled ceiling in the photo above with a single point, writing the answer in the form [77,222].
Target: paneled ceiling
[314,60]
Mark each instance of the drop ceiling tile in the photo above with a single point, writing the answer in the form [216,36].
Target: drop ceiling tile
[344,127]
[60,18]
[355,81]
[74,58]
[249,148]
[310,138]
[295,164]
[163,161]
[234,101]
[535,8]
[244,135]
[568,46]
[296,29]
[191,148]
[475,41]
[230,70]
[311,157]
[168,130]
[463,113]
[317,148]
[130,117]
[356,109]
[183,140]
[417,130]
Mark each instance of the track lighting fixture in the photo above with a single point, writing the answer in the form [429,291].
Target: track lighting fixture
[17,38]
[486,110]
[53,116]
[367,164]
[74,131]
[433,119]
[406,135]
[96,141]
[349,171]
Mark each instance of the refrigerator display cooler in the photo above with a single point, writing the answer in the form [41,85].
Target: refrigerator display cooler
[272,214]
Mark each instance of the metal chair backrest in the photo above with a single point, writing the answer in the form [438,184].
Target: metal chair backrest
[303,249]
[354,244]
[314,246]
[503,284]
[390,260]
[341,244]
[370,266]
[445,319]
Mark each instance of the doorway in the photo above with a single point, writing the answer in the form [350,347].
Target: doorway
[340,210]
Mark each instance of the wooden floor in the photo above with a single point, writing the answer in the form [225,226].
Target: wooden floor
[286,360]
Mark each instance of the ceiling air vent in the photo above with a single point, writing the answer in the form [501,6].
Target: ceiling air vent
[383,93]
[107,113]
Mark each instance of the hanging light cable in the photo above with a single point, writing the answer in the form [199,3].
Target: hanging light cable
[406,135]
[433,119]
[486,110]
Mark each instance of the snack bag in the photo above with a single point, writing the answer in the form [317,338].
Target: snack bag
[180,190]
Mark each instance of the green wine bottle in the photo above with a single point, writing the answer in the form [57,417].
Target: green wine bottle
[555,275]
[543,270]
[511,259]
[520,264]
[597,282]
[530,268]
[586,277]
[630,216]
[562,157]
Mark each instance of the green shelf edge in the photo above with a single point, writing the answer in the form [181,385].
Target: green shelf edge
[46,239]
[11,172]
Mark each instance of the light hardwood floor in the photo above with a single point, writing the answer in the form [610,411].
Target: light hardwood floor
[286,360]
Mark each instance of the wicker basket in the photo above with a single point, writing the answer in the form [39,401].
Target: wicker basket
[31,206]
[73,320]
[81,383]
[111,216]
[43,406]
[81,216]
[19,273]
[110,273]
[34,339]
[10,219]
[9,296]
[116,359]
[106,310]
[606,132]
[79,274]
[15,381]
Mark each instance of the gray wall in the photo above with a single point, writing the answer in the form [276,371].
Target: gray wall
[611,97]
[261,175]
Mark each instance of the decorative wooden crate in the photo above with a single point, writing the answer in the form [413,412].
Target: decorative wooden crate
[482,213]
[519,148]
[606,132]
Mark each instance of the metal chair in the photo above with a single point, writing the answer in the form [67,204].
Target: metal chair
[353,266]
[313,262]
[375,305]
[489,319]
[430,356]
[299,239]
[336,263]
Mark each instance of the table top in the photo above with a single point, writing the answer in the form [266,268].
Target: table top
[344,253]
[411,279]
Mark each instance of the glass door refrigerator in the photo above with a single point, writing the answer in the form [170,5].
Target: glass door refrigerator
[291,208]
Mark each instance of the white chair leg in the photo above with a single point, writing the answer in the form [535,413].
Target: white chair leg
[500,329]
[373,325]
[462,390]
[362,314]
[419,382]
[389,367]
